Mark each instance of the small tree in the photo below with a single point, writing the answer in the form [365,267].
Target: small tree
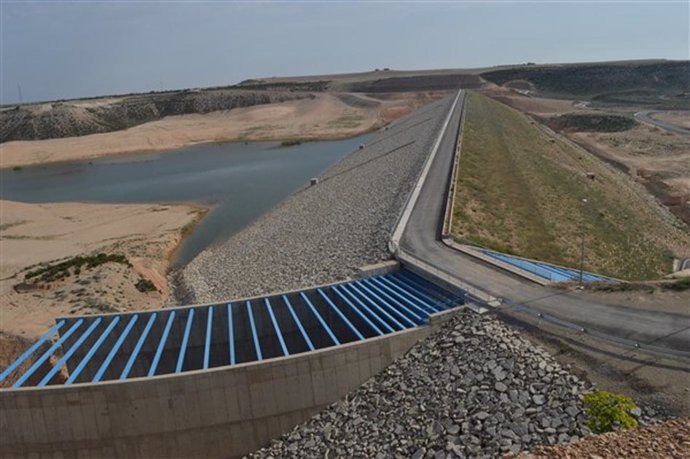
[607,412]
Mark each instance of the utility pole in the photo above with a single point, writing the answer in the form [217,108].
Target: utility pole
[582,247]
[19,92]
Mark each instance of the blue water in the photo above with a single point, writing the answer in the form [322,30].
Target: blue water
[238,181]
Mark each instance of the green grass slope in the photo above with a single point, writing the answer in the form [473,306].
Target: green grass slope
[520,191]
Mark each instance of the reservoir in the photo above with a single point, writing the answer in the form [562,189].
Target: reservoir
[239,182]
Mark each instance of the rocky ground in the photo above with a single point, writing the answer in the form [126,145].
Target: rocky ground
[474,388]
[668,440]
[325,232]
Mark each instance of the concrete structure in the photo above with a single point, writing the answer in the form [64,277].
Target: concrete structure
[222,411]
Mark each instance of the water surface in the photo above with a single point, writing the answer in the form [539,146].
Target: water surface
[239,181]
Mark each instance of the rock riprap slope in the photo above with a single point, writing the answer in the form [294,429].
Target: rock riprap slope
[325,232]
[474,388]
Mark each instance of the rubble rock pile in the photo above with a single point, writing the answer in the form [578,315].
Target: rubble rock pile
[473,388]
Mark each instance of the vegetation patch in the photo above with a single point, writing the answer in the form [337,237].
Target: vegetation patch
[679,285]
[591,123]
[74,265]
[521,191]
[607,412]
[290,142]
[145,285]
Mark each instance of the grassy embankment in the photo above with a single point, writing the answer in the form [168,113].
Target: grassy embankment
[520,191]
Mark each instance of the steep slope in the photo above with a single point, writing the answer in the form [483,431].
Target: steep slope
[520,191]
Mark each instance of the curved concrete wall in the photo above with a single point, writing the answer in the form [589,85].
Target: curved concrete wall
[222,412]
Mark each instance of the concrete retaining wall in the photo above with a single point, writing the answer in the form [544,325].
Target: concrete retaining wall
[222,412]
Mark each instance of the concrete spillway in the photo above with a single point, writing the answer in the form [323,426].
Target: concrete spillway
[210,380]
[147,344]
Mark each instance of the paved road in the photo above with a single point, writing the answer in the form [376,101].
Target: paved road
[670,332]
[646,117]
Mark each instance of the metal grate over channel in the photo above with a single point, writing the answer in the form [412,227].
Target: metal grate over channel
[546,271]
[147,344]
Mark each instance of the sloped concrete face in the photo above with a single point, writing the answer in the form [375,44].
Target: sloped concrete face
[222,412]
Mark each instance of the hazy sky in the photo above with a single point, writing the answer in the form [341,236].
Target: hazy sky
[61,49]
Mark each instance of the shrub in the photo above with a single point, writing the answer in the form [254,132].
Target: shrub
[145,285]
[61,270]
[679,285]
[607,412]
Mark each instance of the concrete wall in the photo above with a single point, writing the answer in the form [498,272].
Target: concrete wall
[222,412]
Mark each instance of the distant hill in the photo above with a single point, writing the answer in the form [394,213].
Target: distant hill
[654,84]
[651,83]
[90,116]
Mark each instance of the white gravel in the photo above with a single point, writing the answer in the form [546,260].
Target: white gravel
[325,232]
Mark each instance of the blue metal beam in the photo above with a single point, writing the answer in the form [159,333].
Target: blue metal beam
[209,332]
[31,350]
[419,289]
[137,348]
[383,323]
[231,335]
[350,289]
[46,355]
[394,293]
[319,318]
[299,324]
[394,301]
[185,340]
[358,312]
[73,376]
[424,285]
[58,366]
[161,344]
[113,351]
[257,346]
[276,327]
[413,292]
[341,315]
[384,302]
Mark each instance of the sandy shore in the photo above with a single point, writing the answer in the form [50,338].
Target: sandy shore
[327,116]
[144,235]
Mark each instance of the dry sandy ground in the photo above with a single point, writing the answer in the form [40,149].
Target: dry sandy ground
[645,151]
[679,118]
[327,116]
[45,233]
[668,440]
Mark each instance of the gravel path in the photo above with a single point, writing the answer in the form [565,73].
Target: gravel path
[325,232]
[473,388]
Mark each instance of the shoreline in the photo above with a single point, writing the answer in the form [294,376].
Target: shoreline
[48,236]
[124,154]
[323,118]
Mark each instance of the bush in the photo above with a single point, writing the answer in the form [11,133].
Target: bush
[145,285]
[607,412]
[61,270]
[678,286]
